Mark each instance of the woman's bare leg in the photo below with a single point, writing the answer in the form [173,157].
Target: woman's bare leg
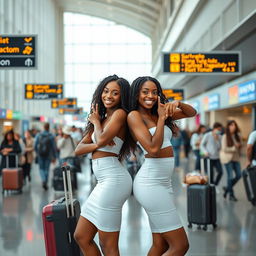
[109,243]
[177,241]
[159,245]
[84,235]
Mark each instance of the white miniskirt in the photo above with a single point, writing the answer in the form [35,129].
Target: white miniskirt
[103,207]
[153,190]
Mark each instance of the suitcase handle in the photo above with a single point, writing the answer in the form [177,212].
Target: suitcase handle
[68,189]
[202,171]
[16,160]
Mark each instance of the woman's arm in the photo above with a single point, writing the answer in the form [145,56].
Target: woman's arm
[104,136]
[85,146]
[178,110]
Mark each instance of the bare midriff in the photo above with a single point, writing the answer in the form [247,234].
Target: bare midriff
[100,154]
[163,153]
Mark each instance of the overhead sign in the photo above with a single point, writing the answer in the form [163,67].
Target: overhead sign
[242,93]
[174,94]
[64,103]
[202,63]
[17,51]
[70,111]
[43,91]
[211,102]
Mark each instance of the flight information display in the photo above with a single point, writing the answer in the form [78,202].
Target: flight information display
[70,111]
[64,103]
[174,94]
[17,51]
[43,91]
[202,63]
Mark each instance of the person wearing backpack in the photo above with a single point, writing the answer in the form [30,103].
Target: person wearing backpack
[46,151]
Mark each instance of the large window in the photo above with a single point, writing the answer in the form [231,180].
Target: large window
[96,48]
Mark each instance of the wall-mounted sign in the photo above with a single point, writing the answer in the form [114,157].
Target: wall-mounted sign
[64,103]
[17,51]
[233,95]
[43,91]
[70,111]
[203,62]
[242,93]
[174,94]
[211,102]
[247,91]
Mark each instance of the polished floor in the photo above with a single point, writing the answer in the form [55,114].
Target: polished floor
[21,230]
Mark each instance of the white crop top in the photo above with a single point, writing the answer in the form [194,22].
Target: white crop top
[166,139]
[111,149]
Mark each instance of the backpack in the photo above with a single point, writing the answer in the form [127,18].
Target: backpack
[44,145]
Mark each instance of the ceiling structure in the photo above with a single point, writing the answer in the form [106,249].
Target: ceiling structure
[141,15]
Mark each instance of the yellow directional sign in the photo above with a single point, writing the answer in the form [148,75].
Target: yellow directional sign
[17,51]
[70,111]
[64,103]
[174,94]
[43,91]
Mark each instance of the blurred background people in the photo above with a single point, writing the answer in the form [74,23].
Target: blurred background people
[251,150]
[46,151]
[195,141]
[210,147]
[76,134]
[177,142]
[9,146]
[185,133]
[231,144]
[29,155]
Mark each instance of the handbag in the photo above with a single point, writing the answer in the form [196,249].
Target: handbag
[195,178]
[22,160]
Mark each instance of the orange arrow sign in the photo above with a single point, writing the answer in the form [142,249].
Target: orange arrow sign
[28,39]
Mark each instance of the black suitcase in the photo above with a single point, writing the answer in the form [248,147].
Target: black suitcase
[59,221]
[57,180]
[249,177]
[201,204]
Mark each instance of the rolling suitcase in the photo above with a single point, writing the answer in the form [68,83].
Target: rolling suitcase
[12,178]
[59,221]
[201,203]
[57,180]
[249,177]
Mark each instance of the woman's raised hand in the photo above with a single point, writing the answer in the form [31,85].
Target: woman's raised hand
[94,116]
[161,109]
[171,107]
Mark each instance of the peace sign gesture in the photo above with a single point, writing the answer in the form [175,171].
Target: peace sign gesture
[94,116]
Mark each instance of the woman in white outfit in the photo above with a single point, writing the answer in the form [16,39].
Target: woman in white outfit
[151,125]
[106,137]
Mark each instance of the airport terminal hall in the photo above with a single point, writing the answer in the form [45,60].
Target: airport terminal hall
[128,127]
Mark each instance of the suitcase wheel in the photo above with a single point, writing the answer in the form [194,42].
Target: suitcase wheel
[253,202]
[199,227]
[214,225]
[189,225]
[205,227]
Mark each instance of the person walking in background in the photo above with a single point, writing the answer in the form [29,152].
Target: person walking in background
[46,151]
[231,144]
[177,142]
[251,150]
[9,146]
[29,154]
[195,144]
[210,147]
[76,134]
[186,141]
[66,144]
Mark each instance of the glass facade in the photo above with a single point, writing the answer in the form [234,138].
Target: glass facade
[96,48]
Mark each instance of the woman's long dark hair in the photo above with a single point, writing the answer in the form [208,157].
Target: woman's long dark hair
[134,95]
[124,104]
[5,141]
[230,141]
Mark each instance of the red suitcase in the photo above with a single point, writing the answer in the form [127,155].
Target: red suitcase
[59,222]
[12,178]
